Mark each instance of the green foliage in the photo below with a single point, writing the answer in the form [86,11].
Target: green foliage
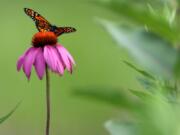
[150,31]
[177,66]
[144,73]
[120,128]
[148,49]
[141,94]
[157,117]
[137,13]
[115,97]
[4,118]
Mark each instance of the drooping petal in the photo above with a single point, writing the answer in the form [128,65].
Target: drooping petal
[21,60]
[58,62]
[69,55]
[39,64]
[71,67]
[48,58]
[64,57]
[29,60]
[53,60]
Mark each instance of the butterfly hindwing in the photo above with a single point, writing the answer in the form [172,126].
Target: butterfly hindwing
[60,30]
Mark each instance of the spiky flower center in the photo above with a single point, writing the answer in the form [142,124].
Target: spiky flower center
[41,39]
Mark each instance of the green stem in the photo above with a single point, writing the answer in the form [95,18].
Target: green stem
[47,101]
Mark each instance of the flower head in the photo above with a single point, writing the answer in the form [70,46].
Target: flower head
[42,39]
[45,51]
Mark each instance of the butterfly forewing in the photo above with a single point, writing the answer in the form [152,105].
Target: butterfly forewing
[41,23]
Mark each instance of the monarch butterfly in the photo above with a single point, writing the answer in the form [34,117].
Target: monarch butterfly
[43,25]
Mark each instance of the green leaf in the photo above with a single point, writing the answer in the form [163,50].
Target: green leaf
[141,94]
[177,67]
[2,119]
[120,128]
[146,83]
[111,96]
[139,14]
[148,49]
[142,72]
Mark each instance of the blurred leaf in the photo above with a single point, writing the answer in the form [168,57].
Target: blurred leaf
[152,52]
[140,15]
[159,117]
[107,95]
[169,14]
[119,128]
[146,83]
[156,117]
[177,66]
[142,72]
[2,119]
[141,94]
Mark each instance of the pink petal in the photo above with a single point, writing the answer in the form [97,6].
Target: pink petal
[64,57]
[29,60]
[58,61]
[67,58]
[21,60]
[53,60]
[39,64]
[71,66]
[48,57]
[68,55]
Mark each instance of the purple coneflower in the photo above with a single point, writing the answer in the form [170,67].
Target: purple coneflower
[46,53]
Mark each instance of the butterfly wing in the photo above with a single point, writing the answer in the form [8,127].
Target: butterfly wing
[41,23]
[60,30]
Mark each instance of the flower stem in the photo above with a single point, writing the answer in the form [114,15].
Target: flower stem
[47,100]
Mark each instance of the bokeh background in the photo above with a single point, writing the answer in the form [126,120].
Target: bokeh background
[98,61]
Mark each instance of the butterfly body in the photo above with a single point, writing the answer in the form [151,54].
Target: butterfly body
[43,25]
[53,28]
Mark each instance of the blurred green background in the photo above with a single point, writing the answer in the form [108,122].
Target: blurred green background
[98,65]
